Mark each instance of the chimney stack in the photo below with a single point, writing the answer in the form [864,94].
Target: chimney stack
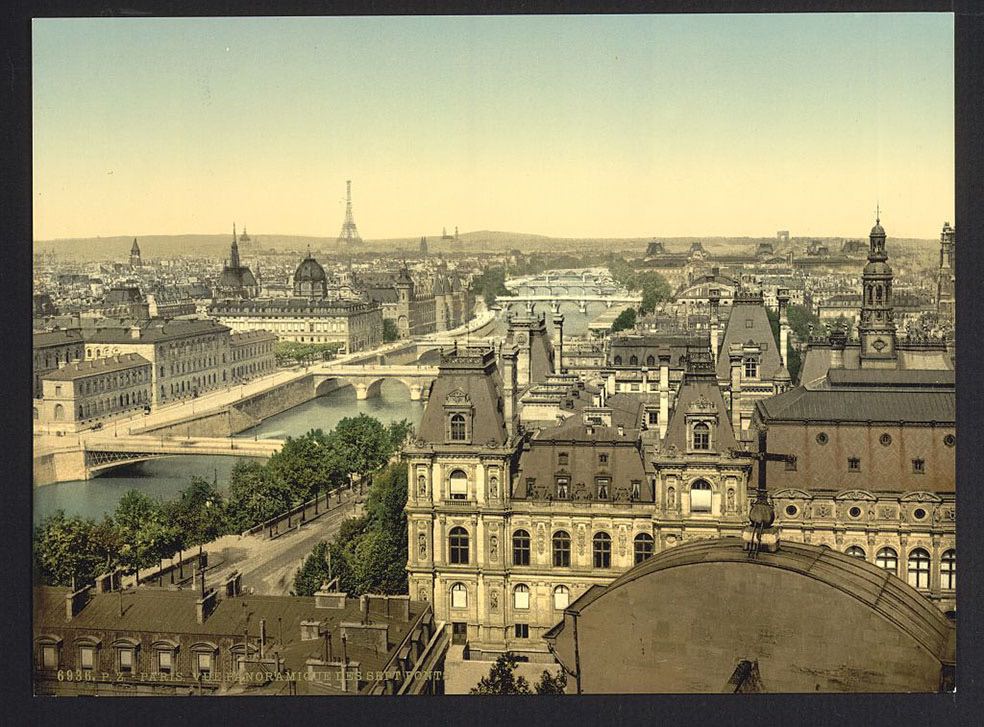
[509,385]
[838,342]
[715,300]
[558,321]
[735,357]
[782,295]
[664,392]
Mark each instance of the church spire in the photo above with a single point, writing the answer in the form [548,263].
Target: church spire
[234,252]
[877,327]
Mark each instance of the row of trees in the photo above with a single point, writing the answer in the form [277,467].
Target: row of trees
[369,553]
[502,679]
[490,284]
[142,531]
[653,286]
[290,353]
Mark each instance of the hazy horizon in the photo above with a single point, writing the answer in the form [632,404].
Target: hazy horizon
[563,126]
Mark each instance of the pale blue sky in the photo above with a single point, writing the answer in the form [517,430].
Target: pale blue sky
[557,125]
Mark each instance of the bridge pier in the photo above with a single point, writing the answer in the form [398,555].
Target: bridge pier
[416,392]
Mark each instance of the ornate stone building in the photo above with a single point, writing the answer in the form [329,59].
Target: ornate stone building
[236,280]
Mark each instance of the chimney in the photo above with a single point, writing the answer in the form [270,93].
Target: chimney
[715,300]
[134,332]
[76,601]
[621,430]
[782,295]
[735,356]
[509,389]
[664,392]
[262,637]
[558,321]
[205,605]
[233,584]
[838,342]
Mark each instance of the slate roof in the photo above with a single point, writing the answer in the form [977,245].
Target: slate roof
[861,404]
[60,337]
[816,362]
[695,388]
[96,367]
[474,373]
[156,331]
[760,333]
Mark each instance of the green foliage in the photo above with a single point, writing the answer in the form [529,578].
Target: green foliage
[313,573]
[255,496]
[625,321]
[308,465]
[378,563]
[800,318]
[551,683]
[147,531]
[653,286]
[289,353]
[199,513]
[502,678]
[67,548]
[390,331]
[490,284]
[363,443]
[773,323]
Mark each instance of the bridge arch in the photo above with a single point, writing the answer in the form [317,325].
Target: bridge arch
[330,384]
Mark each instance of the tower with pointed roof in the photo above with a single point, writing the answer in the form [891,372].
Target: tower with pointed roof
[946,279]
[350,234]
[876,329]
[135,261]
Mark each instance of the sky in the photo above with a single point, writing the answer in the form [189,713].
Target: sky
[568,126]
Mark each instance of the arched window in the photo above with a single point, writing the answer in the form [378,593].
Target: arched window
[458,427]
[633,360]
[888,559]
[59,412]
[459,596]
[618,360]
[602,550]
[458,482]
[702,436]
[855,552]
[643,547]
[919,568]
[521,548]
[650,361]
[521,596]
[562,597]
[700,496]
[458,542]
[561,549]
[948,570]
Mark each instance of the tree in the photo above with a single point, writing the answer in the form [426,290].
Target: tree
[551,683]
[378,563]
[67,550]
[490,284]
[502,679]
[255,496]
[363,443]
[313,573]
[387,499]
[390,331]
[654,289]
[800,319]
[626,320]
[199,512]
[398,433]
[308,464]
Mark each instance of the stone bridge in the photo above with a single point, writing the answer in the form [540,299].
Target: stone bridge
[368,378]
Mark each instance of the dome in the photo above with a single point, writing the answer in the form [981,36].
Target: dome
[877,268]
[877,230]
[310,271]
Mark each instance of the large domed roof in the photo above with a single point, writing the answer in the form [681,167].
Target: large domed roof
[310,271]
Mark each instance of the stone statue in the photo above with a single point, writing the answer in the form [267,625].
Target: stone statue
[670,497]
[422,544]
[494,487]
[422,593]
[494,600]
[422,485]
[494,547]
[731,500]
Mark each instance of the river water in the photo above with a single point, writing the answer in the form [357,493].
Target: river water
[164,478]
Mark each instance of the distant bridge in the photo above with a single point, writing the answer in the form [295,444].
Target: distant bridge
[368,378]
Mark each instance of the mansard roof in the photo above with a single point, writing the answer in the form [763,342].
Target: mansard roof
[749,322]
[699,391]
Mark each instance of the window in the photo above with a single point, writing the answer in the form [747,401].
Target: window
[165,662]
[888,559]
[602,550]
[751,367]
[702,436]
[602,459]
[562,597]
[87,658]
[457,427]
[562,459]
[561,549]
[919,568]
[522,631]
[602,485]
[643,547]
[203,664]
[918,466]
[458,485]
[653,418]
[633,360]
[563,488]
[749,323]
[49,656]
[125,657]
[700,496]
[636,490]
[458,540]
[521,548]
[855,552]
[853,464]
[618,360]
[459,596]
[521,596]
[948,570]
[459,633]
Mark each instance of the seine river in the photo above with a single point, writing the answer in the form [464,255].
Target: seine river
[164,478]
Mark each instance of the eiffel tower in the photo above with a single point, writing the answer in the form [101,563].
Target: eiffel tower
[349,234]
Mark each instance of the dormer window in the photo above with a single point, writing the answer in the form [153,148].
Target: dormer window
[602,459]
[562,459]
[751,367]
[458,485]
[701,436]
[563,488]
[602,484]
[457,428]
[636,489]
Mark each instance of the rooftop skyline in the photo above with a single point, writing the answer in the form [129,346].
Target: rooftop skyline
[568,126]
